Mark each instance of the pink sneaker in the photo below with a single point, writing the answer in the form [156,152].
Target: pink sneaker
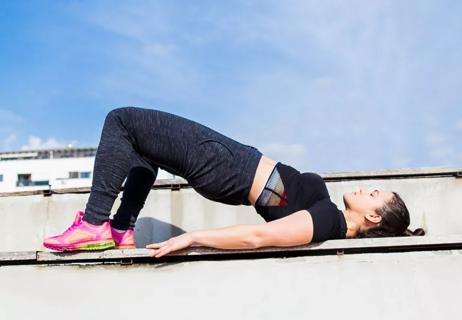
[82,235]
[124,239]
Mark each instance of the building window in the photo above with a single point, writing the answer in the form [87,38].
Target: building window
[40,183]
[73,175]
[25,180]
[85,175]
[79,175]
[1,177]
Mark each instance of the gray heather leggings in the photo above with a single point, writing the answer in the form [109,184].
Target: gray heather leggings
[217,167]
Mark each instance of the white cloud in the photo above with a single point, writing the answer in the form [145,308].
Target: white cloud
[441,150]
[153,60]
[444,153]
[365,79]
[436,139]
[401,161]
[36,143]
[9,140]
[10,117]
[292,154]
[10,124]
[359,77]
[459,125]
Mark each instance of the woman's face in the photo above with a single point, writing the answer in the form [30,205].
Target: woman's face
[366,201]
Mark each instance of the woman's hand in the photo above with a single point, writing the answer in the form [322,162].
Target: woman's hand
[173,244]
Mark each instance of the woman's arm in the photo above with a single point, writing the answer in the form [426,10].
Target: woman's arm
[292,230]
[232,237]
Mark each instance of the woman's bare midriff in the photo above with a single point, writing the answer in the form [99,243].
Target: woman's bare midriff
[264,169]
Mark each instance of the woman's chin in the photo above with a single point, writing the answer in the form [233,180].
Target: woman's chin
[346,197]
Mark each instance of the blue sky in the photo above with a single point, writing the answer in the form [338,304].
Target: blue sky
[321,85]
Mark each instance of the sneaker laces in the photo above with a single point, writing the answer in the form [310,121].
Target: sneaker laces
[77,221]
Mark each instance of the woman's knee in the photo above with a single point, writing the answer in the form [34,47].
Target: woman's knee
[120,114]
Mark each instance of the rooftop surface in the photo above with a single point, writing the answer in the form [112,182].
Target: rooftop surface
[389,278]
[331,247]
[56,153]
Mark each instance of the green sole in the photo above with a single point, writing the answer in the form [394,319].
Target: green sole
[98,246]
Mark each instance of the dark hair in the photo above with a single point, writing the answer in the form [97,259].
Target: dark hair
[395,221]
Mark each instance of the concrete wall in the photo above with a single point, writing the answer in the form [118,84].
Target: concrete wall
[410,285]
[434,204]
[406,285]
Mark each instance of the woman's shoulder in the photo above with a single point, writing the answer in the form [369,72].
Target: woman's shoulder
[328,221]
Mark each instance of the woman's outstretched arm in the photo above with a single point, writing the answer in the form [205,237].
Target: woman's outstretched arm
[292,230]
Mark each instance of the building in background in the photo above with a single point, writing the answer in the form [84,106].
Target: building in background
[55,168]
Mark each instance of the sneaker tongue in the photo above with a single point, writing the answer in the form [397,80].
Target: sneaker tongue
[78,217]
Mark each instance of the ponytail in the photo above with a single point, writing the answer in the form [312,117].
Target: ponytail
[416,232]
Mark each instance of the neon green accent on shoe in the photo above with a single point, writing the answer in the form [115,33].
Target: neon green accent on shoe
[98,246]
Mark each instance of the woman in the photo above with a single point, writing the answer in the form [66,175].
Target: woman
[135,142]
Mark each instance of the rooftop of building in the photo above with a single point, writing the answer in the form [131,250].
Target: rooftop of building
[396,275]
[54,153]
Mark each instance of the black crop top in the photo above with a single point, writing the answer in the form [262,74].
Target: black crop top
[307,191]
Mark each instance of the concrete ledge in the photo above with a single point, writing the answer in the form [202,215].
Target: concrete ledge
[331,247]
[394,174]
[178,182]
[173,184]
[19,257]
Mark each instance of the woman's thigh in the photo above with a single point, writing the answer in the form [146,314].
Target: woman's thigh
[217,166]
[223,169]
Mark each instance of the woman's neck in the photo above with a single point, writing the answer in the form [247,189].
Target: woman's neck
[353,222]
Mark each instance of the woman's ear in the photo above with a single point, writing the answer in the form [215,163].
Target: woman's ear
[373,217]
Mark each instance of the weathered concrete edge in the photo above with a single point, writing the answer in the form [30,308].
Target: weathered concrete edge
[179,182]
[176,183]
[394,174]
[18,256]
[331,247]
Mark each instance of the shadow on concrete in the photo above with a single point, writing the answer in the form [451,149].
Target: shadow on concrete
[150,230]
